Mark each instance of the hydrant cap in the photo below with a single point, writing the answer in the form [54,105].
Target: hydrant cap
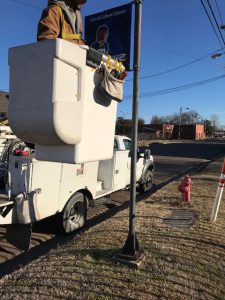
[188,179]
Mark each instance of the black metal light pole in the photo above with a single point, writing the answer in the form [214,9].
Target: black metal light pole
[131,251]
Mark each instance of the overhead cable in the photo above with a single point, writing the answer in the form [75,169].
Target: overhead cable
[182,87]
[27,4]
[177,88]
[215,21]
[177,68]
[219,12]
[212,24]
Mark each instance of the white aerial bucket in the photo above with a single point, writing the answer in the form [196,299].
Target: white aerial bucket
[56,104]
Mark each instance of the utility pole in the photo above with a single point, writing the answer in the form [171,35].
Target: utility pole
[181,109]
[123,113]
[131,253]
[179,123]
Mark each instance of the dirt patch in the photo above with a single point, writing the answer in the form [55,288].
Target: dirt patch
[181,263]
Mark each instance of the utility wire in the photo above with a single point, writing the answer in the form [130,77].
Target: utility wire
[212,24]
[27,4]
[178,88]
[216,21]
[219,11]
[182,87]
[179,67]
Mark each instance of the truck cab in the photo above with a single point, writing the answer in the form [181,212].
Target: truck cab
[144,162]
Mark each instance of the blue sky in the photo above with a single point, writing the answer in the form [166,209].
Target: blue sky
[174,33]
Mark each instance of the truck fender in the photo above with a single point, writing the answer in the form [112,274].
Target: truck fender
[149,165]
[88,197]
[87,194]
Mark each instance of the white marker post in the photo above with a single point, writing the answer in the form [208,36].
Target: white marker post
[218,194]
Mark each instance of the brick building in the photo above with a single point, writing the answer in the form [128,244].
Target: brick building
[189,132]
[167,131]
[155,131]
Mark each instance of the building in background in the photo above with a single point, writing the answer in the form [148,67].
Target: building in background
[168,131]
[189,132]
[220,133]
[155,131]
[145,132]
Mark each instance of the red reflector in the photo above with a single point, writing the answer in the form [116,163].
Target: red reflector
[25,153]
[17,152]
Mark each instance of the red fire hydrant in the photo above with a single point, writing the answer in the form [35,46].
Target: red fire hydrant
[185,188]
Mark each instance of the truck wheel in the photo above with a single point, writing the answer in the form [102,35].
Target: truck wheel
[73,215]
[147,183]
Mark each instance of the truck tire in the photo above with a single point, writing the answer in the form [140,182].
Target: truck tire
[74,214]
[147,183]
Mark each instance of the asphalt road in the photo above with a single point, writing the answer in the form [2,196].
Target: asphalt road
[198,150]
[171,160]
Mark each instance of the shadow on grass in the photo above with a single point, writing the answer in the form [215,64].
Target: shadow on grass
[47,226]
[171,201]
[208,178]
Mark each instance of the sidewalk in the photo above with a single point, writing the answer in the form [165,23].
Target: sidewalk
[182,262]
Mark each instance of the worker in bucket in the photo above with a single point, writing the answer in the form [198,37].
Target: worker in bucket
[61,19]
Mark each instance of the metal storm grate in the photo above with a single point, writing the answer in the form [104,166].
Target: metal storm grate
[181,218]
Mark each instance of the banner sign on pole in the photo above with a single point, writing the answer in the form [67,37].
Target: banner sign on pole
[109,32]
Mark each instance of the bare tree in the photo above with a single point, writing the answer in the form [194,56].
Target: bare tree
[187,118]
[215,120]
[141,122]
[209,129]
[192,117]
[124,126]
[156,120]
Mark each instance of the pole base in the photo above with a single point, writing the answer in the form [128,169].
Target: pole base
[133,261]
[131,245]
[131,255]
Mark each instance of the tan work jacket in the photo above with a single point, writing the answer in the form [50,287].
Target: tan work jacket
[51,25]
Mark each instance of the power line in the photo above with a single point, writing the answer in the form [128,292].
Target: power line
[178,88]
[219,11]
[179,67]
[182,87]
[216,21]
[27,4]
[211,23]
